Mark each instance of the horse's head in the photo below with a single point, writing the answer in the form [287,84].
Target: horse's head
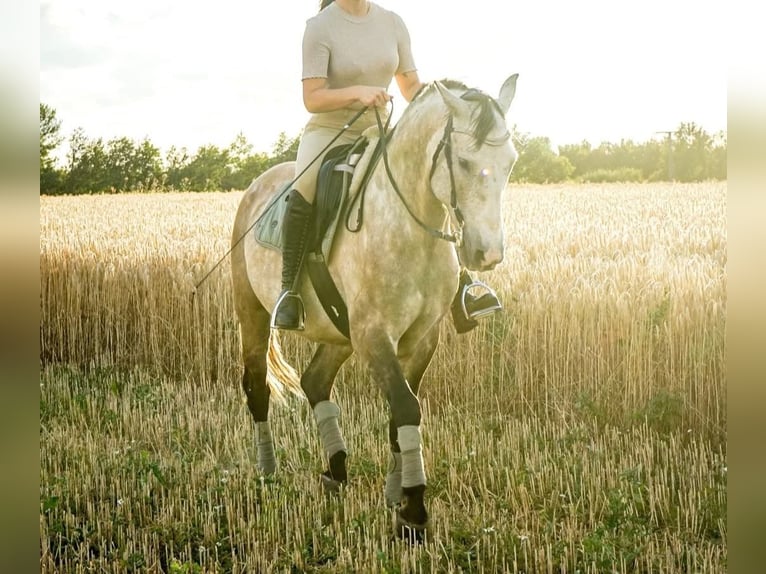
[472,175]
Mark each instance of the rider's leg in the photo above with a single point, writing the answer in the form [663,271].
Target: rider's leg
[288,312]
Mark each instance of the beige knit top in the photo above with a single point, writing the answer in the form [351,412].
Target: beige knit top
[350,50]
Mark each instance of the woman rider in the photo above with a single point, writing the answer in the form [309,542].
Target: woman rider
[351,51]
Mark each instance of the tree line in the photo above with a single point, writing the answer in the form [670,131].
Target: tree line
[93,165]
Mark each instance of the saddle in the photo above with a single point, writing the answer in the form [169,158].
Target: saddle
[345,170]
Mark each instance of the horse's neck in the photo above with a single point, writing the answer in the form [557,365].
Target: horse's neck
[410,164]
[391,243]
[392,237]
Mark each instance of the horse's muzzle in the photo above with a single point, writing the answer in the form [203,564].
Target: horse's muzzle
[481,260]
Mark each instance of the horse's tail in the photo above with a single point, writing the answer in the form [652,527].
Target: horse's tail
[280,374]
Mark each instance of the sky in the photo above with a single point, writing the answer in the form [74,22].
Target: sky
[187,74]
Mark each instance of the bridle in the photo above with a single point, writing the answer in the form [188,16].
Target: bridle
[445,148]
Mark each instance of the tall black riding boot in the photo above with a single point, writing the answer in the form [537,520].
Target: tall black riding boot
[288,312]
[464,315]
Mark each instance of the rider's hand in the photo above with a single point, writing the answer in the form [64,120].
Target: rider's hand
[372,96]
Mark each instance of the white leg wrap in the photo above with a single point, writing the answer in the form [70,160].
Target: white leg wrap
[413,471]
[393,489]
[326,413]
[264,444]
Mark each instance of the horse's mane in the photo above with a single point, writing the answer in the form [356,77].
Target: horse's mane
[483,118]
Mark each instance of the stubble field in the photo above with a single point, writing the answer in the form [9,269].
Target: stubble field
[582,429]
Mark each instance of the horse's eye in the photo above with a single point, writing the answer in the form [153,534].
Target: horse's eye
[464,164]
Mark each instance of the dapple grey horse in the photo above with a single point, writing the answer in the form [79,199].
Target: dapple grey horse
[432,204]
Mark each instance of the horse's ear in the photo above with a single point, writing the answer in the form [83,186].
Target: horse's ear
[507,92]
[456,105]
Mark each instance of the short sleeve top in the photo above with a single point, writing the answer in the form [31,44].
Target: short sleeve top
[348,50]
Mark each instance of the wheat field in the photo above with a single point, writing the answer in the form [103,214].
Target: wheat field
[583,429]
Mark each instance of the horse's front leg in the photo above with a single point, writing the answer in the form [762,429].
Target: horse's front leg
[414,365]
[379,354]
[317,382]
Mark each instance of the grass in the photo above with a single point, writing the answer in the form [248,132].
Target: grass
[140,474]
[584,429]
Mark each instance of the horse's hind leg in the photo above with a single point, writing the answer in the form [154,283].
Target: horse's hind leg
[255,345]
[317,382]
[254,334]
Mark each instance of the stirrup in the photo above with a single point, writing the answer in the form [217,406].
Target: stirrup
[487,290]
[301,317]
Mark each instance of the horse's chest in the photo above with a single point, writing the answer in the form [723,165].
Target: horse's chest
[419,284]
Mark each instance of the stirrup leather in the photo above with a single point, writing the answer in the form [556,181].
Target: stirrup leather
[483,289]
[302,316]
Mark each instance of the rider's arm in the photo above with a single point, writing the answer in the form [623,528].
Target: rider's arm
[317,97]
[409,84]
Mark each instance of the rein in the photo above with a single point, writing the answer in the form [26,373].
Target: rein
[360,195]
[437,233]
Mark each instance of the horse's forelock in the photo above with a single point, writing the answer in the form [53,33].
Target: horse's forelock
[483,118]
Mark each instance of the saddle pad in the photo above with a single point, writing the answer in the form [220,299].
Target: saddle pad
[268,228]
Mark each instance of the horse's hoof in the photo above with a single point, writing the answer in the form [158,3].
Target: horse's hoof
[331,486]
[393,492]
[267,471]
[409,531]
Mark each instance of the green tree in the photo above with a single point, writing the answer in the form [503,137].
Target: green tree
[285,149]
[176,162]
[580,155]
[147,166]
[538,163]
[626,161]
[124,165]
[50,138]
[87,170]
[692,150]
[250,168]
[132,166]
[207,169]
[649,158]
[718,167]
[244,165]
